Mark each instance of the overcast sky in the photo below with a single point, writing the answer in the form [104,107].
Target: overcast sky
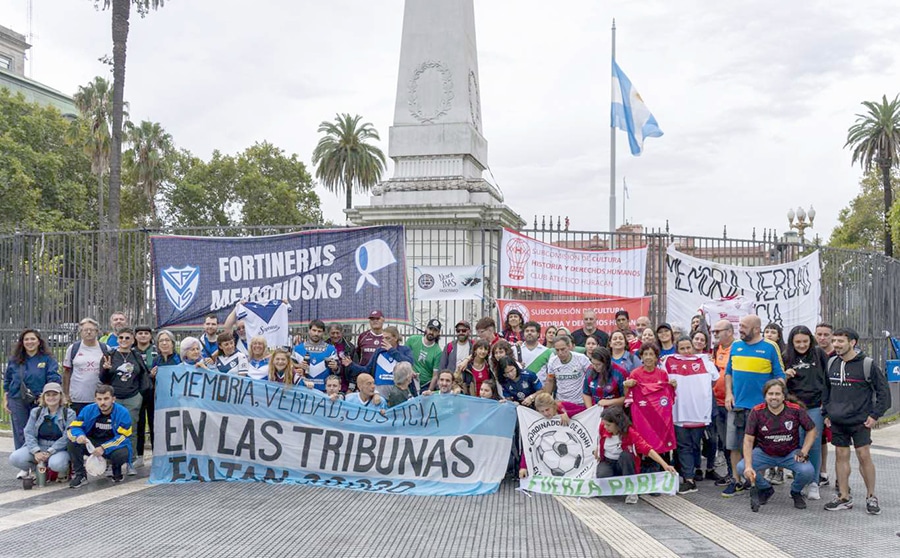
[755,99]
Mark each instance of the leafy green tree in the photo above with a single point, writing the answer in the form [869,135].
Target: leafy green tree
[147,162]
[861,224]
[343,158]
[44,179]
[875,141]
[258,187]
[94,102]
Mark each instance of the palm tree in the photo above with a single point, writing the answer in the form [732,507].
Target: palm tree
[94,102]
[875,140]
[121,12]
[148,158]
[343,159]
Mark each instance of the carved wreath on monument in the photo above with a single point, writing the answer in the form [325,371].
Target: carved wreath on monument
[474,100]
[415,103]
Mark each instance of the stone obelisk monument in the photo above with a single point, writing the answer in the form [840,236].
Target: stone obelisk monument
[436,141]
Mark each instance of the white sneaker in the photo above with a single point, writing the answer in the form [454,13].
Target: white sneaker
[129,470]
[139,462]
[21,474]
[812,491]
[788,474]
[631,499]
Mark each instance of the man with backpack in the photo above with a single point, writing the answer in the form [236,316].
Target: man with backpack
[856,396]
[81,365]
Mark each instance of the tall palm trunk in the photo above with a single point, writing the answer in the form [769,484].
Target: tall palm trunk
[885,164]
[348,184]
[121,12]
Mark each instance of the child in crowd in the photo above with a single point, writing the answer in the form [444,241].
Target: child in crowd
[281,370]
[620,447]
[333,388]
[518,385]
[489,390]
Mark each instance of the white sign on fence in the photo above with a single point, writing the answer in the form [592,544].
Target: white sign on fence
[787,293]
[528,264]
[449,282]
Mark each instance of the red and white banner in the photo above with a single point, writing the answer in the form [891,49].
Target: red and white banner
[569,313]
[528,264]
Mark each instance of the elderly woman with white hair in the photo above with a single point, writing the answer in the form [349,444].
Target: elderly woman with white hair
[399,392]
[192,352]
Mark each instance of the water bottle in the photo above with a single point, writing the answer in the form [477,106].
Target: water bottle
[41,475]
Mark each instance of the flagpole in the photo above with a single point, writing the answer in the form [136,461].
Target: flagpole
[624,197]
[612,143]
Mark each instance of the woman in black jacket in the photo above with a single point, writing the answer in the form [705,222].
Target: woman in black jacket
[804,364]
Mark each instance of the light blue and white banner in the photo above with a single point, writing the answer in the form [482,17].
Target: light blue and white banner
[629,113]
[213,426]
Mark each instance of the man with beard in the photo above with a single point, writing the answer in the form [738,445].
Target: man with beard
[426,353]
[107,425]
[318,357]
[458,350]
[534,355]
[753,361]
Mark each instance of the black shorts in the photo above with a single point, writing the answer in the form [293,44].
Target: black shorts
[842,435]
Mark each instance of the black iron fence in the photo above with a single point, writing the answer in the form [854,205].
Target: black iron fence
[51,280]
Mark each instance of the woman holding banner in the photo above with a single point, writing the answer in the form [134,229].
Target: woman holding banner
[620,447]
[192,352]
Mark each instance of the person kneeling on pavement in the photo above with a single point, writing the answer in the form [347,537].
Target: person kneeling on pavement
[107,426]
[620,448]
[773,428]
[45,438]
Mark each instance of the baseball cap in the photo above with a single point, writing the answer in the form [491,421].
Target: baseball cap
[464,324]
[664,326]
[433,324]
[52,386]
[376,315]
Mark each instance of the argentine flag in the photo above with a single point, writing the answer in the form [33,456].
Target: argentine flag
[629,113]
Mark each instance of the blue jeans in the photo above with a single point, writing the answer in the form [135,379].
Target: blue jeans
[24,459]
[815,454]
[19,411]
[803,472]
[688,440]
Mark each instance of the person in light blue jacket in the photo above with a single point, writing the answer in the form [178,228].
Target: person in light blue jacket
[45,433]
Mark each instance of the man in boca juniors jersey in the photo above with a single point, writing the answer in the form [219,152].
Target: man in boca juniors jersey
[319,358]
[772,439]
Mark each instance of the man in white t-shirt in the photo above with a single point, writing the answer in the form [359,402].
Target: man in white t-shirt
[81,365]
[565,372]
[532,351]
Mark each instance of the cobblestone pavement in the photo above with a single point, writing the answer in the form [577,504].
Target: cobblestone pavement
[255,519]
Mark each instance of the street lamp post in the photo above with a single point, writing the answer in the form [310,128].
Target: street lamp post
[801,223]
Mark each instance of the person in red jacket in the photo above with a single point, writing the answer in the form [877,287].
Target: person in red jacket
[620,448]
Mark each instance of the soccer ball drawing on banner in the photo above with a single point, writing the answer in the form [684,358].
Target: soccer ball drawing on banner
[560,451]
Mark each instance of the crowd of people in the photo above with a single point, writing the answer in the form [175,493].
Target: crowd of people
[759,407]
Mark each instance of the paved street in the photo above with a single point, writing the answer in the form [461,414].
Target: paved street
[241,519]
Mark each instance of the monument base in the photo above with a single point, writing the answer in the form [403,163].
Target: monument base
[455,201]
